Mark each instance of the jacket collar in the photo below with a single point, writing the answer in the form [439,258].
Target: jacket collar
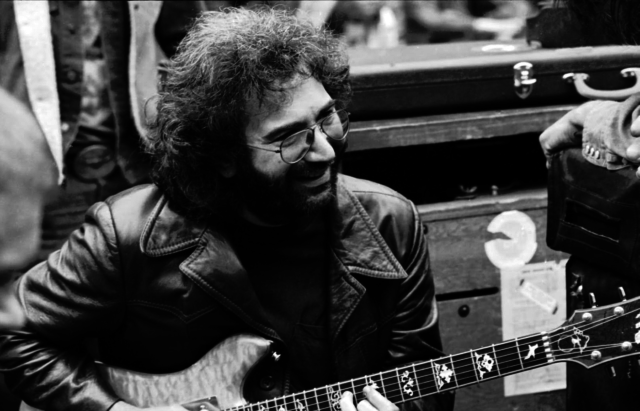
[357,248]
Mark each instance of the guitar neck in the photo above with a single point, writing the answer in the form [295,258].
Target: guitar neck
[424,378]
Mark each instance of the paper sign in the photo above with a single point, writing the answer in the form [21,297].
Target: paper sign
[533,300]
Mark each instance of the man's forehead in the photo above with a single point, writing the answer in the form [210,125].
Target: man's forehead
[271,101]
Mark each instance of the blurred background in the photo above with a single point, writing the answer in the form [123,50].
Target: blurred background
[389,23]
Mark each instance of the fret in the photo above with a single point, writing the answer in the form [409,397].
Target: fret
[413,367]
[495,357]
[424,378]
[324,402]
[508,356]
[399,383]
[443,376]
[473,366]
[298,404]
[535,350]
[465,370]
[332,393]
[392,386]
[519,353]
[454,370]
[359,384]
[257,406]
[484,361]
[384,388]
[281,404]
[313,403]
[270,405]
[356,395]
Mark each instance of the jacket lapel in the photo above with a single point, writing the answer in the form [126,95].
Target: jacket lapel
[213,265]
[357,248]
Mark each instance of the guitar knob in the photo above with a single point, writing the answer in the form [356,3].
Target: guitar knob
[622,294]
[592,300]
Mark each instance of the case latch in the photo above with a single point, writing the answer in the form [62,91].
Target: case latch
[523,79]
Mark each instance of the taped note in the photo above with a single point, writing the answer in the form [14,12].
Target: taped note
[533,300]
[538,296]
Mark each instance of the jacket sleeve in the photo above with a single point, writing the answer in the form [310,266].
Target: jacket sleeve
[607,129]
[174,21]
[76,295]
[414,334]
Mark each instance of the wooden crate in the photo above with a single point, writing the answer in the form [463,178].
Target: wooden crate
[468,287]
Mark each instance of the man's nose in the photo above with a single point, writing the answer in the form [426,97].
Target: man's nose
[321,150]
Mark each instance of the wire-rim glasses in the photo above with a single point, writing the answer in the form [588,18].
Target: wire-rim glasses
[293,148]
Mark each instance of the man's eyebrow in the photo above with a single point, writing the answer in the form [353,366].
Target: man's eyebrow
[298,125]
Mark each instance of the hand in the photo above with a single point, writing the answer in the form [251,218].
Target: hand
[565,132]
[123,406]
[375,401]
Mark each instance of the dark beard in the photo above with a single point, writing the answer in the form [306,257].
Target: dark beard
[281,200]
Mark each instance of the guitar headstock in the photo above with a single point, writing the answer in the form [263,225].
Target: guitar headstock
[598,335]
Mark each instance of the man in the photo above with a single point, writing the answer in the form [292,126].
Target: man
[607,131]
[250,229]
[86,68]
[610,126]
[23,191]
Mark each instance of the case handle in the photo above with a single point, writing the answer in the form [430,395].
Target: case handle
[579,81]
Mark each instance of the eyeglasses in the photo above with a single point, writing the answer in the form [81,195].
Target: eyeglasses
[297,145]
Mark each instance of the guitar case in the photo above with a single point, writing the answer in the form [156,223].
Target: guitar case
[421,80]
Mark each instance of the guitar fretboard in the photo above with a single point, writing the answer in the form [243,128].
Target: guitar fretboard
[425,378]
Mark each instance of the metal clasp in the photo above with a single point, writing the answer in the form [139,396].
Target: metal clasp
[523,79]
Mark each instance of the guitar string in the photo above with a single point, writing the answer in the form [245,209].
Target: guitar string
[448,360]
[554,337]
[393,392]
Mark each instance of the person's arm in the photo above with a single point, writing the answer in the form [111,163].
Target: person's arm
[76,294]
[610,128]
[176,17]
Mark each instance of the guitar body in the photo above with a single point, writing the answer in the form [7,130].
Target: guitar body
[220,373]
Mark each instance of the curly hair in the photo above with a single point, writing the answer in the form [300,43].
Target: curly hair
[228,59]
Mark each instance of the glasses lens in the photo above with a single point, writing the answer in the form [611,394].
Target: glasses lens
[296,146]
[336,126]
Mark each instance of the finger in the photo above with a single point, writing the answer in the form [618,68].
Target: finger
[378,400]
[635,127]
[346,402]
[365,405]
[633,152]
[560,135]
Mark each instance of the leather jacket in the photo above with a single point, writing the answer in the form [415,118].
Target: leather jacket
[143,288]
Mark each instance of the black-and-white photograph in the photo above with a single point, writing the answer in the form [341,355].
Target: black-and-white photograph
[320,205]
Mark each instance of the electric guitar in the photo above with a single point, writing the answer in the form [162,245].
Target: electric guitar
[590,337]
